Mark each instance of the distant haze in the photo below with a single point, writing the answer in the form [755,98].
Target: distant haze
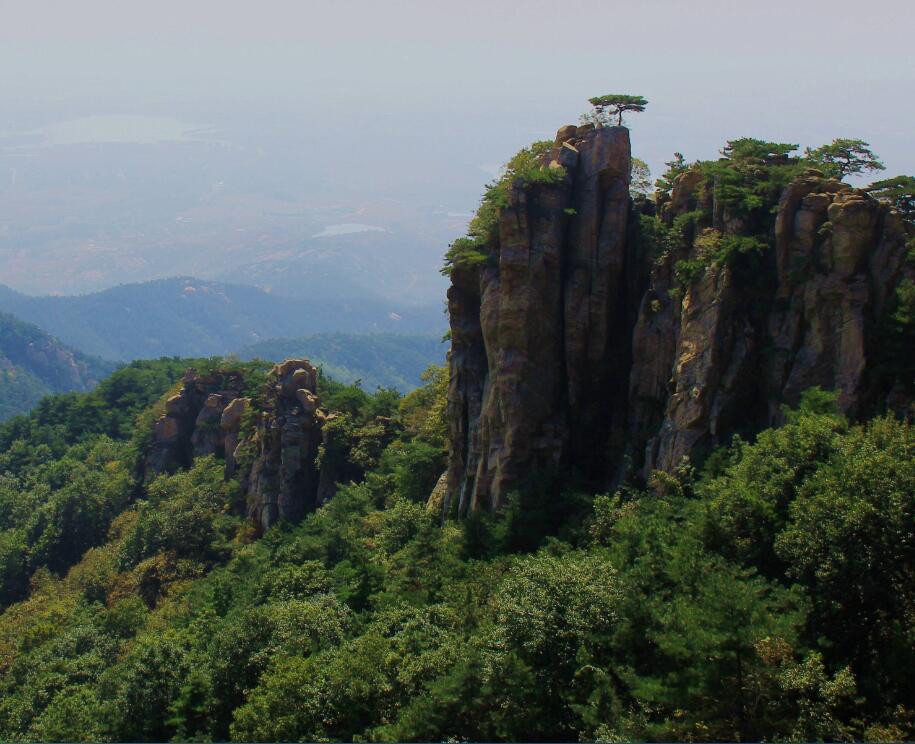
[297,144]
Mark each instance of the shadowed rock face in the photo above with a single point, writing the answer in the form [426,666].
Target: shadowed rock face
[275,460]
[574,350]
[534,368]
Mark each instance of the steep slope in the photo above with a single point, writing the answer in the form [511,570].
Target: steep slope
[594,338]
[191,317]
[34,364]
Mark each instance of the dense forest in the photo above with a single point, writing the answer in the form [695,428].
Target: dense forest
[768,594]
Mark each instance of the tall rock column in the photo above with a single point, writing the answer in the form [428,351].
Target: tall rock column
[531,327]
[283,480]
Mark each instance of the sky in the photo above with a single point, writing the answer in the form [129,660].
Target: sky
[422,100]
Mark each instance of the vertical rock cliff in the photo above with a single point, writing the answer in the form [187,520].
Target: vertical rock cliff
[283,480]
[535,373]
[579,346]
[274,456]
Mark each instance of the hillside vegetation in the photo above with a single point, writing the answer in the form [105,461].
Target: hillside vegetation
[34,364]
[252,552]
[769,595]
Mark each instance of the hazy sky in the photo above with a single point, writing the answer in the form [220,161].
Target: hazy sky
[456,74]
[423,99]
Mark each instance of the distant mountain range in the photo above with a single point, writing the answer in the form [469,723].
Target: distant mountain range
[192,317]
[378,360]
[34,364]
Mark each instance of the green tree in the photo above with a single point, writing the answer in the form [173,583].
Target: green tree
[844,157]
[851,541]
[898,191]
[639,177]
[615,104]
[675,168]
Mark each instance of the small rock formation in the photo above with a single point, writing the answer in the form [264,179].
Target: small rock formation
[282,482]
[573,349]
[191,424]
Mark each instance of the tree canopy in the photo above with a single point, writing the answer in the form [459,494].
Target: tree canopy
[844,157]
[639,177]
[898,191]
[616,104]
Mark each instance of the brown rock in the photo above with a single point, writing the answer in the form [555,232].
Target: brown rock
[282,482]
[569,354]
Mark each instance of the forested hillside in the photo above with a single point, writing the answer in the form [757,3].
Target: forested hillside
[193,317]
[663,490]
[767,595]
[34,364]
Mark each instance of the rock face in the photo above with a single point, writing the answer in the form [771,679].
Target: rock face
[192,423]
[283,480]
[534,371]
[273,454]
[575,349]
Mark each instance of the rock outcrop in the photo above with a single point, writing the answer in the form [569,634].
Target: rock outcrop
[270,446]
[192,423]
[282,482]
[574,349]
[535,373]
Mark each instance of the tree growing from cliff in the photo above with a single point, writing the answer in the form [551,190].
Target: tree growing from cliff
[615,104]
[898,191]
[675,168]
[844,157]
[639,177]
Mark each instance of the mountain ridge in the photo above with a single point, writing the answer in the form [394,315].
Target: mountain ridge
[185,316]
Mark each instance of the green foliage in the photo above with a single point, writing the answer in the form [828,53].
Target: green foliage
[898,191]
[614,104]
[765,596]
[844,157]
[749,177]
[527,168]
[711,248]
[639,177]
[186,516]
[34,364]
[675,168]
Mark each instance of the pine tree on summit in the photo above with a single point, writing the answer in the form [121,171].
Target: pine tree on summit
[614,104]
